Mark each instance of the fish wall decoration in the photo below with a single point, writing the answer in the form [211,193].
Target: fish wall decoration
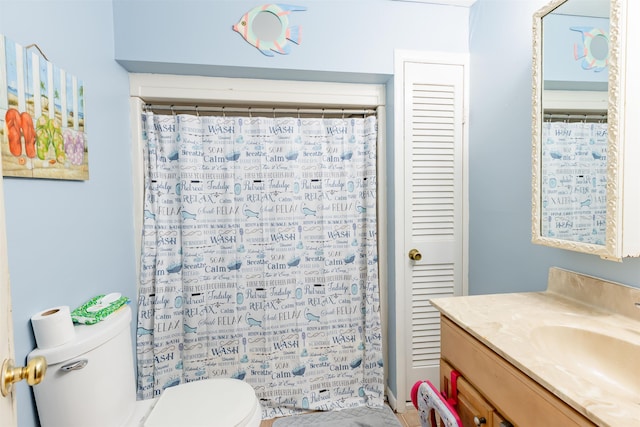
[591,60]
[267,28]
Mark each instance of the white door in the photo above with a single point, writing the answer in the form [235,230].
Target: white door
[7,404]
[432,215]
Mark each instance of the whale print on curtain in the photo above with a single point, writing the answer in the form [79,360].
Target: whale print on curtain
[259,259]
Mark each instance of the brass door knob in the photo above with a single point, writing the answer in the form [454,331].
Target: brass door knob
[415,255]
[33,373]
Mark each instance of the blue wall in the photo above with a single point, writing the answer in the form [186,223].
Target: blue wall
[347,41]
[71,240]
[343,41]
[501,255]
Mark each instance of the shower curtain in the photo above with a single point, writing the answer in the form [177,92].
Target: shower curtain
[574,181]
[259,259]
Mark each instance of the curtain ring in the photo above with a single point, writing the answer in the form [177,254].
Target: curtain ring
[172,111]
[298,113]
[250,116]
[223,113]
[323,113]
[343,114]
[197,112]
[274,112]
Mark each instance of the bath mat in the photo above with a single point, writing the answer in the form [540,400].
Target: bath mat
[353,417]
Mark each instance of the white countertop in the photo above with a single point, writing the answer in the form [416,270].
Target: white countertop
[511,325]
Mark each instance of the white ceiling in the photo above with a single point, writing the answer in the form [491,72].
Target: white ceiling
[596,8]
[465,3]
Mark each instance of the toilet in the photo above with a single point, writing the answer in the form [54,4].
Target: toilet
[90,381]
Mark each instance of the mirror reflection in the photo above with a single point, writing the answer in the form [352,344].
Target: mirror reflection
[267,26]
[574,134]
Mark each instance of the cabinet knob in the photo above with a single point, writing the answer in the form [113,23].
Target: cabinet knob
[479,421]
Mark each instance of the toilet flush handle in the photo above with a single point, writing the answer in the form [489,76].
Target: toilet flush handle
[74,366]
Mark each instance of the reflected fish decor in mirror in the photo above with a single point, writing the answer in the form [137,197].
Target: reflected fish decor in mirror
[593,49]
[586,127]
[267,28]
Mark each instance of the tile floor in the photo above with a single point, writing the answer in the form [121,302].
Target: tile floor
[409,419]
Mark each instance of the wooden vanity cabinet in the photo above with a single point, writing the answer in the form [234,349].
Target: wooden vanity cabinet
[473,409]
[489,387]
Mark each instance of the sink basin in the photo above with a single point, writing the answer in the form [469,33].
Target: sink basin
[596,357]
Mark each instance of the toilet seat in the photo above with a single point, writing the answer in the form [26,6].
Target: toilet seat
[221,402]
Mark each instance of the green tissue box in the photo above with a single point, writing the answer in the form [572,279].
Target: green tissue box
[97,308]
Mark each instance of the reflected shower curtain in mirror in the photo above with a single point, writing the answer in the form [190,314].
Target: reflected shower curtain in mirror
[259,259]
[574,181]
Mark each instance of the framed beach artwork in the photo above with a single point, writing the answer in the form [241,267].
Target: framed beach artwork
[42,133]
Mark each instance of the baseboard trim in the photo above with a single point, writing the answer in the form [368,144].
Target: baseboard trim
[393,402]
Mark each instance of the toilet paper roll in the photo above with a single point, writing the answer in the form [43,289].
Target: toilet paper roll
[53,327]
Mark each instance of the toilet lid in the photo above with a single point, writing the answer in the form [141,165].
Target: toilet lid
[220,402]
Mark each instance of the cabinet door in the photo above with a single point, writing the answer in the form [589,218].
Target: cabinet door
[498,421]
[472,408]
[445,378]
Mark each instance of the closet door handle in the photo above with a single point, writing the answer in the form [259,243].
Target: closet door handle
[415,255]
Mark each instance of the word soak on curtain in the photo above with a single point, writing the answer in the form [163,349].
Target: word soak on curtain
[260,259]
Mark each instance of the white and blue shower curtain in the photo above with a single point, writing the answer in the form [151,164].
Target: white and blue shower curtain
[259,259]
[574,181]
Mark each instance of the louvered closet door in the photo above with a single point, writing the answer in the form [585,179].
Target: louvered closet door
[433,212]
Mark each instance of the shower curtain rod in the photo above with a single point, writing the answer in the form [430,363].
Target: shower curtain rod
[259,110]
[559,116]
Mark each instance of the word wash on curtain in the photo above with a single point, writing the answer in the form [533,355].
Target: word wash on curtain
[259,259]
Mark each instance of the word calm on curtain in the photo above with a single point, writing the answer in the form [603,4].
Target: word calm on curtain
[259,259]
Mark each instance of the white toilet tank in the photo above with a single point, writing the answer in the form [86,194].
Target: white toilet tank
[90,380]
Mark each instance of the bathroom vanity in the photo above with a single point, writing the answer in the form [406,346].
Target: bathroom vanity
[567,356]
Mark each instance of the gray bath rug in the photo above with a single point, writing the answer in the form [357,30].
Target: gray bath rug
[353,417]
